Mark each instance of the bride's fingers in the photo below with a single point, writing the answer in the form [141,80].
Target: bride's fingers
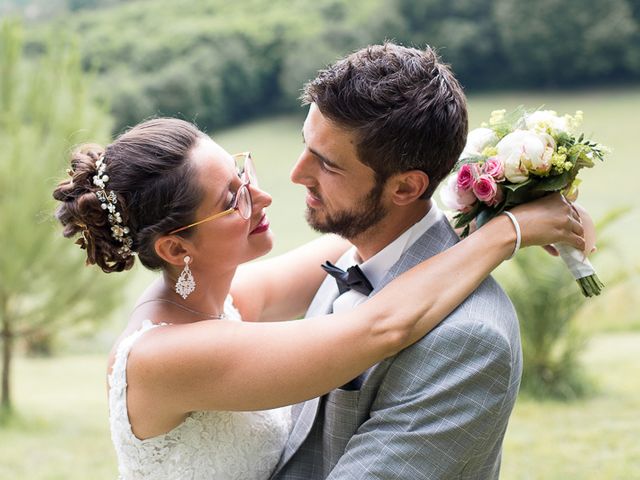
[575,213]
[577,241]
[551,250]
[576,227]
[589,228]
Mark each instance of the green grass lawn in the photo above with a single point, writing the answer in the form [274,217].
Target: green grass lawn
[592,439]
[62,432]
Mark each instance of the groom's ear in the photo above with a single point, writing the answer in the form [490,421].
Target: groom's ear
[407,187]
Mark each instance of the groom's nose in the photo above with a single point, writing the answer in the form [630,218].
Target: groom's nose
[302,172]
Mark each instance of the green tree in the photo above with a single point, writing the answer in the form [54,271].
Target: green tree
[554,42]
[44,108]
[463,32]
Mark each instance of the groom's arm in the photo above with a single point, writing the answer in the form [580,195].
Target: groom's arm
[439,400]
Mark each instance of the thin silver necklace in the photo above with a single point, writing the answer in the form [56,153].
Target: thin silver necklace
[195,312]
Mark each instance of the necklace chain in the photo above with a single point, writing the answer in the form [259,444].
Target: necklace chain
[220,316]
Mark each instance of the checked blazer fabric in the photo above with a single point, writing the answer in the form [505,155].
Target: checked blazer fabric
[436,410]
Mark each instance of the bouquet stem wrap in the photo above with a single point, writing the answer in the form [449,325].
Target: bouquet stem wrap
[581,269]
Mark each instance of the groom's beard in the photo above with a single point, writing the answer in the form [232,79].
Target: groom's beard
[350,223]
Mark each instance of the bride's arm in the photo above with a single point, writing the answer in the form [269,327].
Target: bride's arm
[283,286]
[225,365]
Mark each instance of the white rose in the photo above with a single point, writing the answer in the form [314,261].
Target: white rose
[546,121]
[523,151]
[477,140]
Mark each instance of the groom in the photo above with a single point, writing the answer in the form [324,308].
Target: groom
[385,126]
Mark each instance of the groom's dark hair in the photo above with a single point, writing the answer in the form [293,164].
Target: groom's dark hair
[406,108]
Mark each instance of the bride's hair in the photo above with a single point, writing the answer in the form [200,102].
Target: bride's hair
[155,185]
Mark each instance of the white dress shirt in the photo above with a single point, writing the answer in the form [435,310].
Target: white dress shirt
[377,266]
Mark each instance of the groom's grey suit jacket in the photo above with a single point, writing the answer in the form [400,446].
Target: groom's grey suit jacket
[436,410]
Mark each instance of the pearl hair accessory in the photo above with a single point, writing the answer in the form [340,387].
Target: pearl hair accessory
[108,201]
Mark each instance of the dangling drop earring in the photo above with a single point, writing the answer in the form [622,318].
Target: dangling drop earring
[186,284]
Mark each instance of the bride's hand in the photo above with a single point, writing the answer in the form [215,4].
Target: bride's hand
[589,233]
[551,219]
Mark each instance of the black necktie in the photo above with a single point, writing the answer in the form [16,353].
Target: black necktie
[353,279]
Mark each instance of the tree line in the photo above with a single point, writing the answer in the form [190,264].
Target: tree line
[218,62]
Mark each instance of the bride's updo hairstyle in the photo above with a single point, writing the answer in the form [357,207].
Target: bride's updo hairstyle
[155,188]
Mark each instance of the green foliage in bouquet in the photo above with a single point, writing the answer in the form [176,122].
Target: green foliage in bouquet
[517,158]
[571,155]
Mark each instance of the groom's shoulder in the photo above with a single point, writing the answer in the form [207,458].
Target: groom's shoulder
[488,302]
[485,322]
[479,342]
[486,317]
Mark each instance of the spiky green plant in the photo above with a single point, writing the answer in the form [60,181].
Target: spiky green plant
[547,302]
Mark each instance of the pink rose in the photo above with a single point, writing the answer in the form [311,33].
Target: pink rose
[485,188]
[494,167]
[454,198]
[497,198]
[467,176]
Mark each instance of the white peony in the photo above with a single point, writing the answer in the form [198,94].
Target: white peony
[523,151]
[477,140]
[547,121]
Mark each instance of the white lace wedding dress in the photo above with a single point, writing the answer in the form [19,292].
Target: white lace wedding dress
[207,445]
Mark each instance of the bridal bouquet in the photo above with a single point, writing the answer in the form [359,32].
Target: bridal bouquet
[520,157]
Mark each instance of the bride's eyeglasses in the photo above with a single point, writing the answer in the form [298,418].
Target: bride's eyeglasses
[241,201]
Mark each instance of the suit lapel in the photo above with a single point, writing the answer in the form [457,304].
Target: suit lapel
[435,240]
[438,238]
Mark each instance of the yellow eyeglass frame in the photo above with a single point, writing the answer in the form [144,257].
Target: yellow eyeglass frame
[246,176]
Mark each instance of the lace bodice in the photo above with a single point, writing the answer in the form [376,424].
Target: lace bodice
[207,445]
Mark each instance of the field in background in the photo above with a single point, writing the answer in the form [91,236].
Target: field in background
[62,430]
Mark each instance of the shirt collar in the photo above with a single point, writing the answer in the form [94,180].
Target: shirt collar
[376,267]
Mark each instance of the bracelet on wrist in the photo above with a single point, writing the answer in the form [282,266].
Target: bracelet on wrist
[516,225]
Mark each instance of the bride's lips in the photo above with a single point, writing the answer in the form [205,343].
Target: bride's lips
[262,226]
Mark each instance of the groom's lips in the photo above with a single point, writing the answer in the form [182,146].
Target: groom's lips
[313,201]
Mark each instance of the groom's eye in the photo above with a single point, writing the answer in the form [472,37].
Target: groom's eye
[327,167]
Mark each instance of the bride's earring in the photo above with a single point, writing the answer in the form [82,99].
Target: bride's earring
[186,284]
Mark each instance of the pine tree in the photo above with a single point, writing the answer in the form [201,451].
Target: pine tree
[45,108]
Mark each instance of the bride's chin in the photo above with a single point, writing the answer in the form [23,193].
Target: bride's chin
[266,245]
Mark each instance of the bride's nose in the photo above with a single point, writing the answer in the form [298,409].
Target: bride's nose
[261,199]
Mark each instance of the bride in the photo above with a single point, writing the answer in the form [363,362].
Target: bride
[194,391]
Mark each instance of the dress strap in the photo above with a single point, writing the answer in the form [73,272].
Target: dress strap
[118,416]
